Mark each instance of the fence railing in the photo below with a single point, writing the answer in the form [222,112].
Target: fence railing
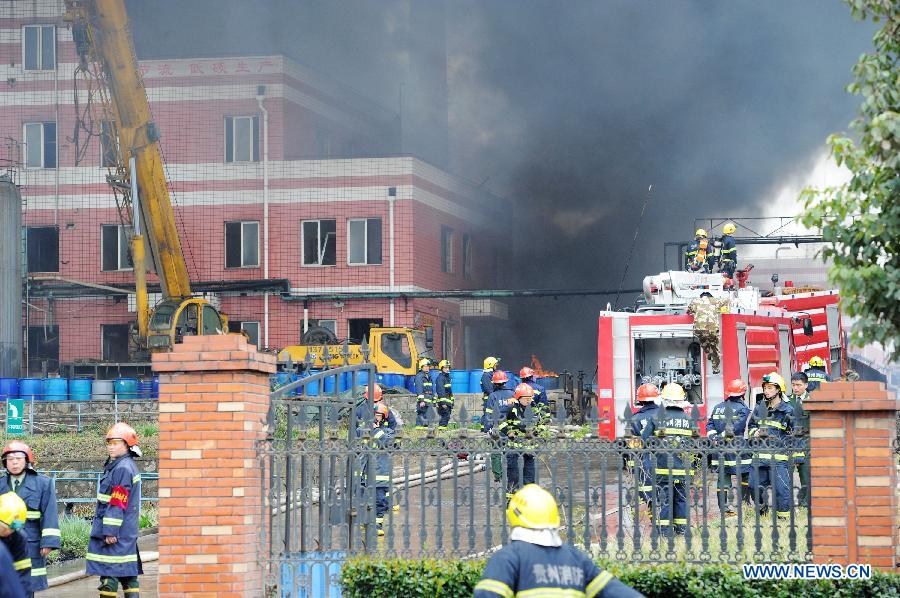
[47,417]
[445,493]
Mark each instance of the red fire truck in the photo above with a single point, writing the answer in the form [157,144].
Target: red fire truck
[759,334]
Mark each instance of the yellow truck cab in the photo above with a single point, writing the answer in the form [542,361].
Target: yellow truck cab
[392,350]
[173,319]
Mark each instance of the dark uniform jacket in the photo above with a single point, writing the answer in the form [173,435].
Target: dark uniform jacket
[541,404]
[17,546]
[779,424]
[524,569]
[117,514]
[729,249]
[641,417]
[381,438]
[10,586]
[735,412]
[487,384]
[363,407]
[443,389]
[424,387]
[675,430]
[496,409]
[42,524]
[514,426]
[816,376]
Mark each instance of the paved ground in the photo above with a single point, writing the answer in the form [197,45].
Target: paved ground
[84,588]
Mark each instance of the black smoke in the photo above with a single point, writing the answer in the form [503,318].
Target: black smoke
[572,110]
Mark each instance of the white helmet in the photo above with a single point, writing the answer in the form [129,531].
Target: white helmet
[673,395]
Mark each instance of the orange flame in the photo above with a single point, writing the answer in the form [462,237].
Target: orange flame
[539,371]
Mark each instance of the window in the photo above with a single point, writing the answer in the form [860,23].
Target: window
[446,249]
[40,145]
[467,257]
[359,328]
[39,47]
[42,248]
[396,346]
[242,244]
[115,342]
[109,144]
[212,321]
[319,238]
[251,328]
[327,324]
[364,241]
[43,347]
[242,139]
[116,249]
[447,340]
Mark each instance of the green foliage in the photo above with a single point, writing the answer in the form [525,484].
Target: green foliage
[149,516]
[860,220]
[382,578]
[75,533]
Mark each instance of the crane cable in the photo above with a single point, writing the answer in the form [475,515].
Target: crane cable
[633,243]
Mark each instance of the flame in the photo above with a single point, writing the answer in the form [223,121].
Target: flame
[539,371]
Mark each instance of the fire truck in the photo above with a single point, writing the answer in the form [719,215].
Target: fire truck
[760,333]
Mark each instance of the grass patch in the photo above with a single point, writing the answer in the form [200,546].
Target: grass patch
[87,445]
[75,533]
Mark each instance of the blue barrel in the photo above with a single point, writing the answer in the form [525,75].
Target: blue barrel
[126,388]
[344,381]
[362,379]
[394,380]
[30,388]
[55,389]
[145,389]
[9,388]
[102,390]
[411,384]
[80,389]
[329,384]
[549,382]
[459,379]
[280,379]
[154,388]
[475,380]
[311,389]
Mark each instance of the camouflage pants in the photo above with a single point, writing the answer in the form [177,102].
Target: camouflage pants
[709,341]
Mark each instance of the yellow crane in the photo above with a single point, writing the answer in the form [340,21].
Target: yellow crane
[103,41]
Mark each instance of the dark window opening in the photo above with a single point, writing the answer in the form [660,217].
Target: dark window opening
[115,342]
[42,248]
[319,242]
[358,328]
[396,346]
[43,349]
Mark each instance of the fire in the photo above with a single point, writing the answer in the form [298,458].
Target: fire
[539,371]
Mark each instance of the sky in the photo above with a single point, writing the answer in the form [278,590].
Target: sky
[573,110]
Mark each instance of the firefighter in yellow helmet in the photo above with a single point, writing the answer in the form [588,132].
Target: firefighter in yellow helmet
[424,385]
[696,254]
[772,420]
[444,393]
[816,373]
[728,257]
[487,381]
[537,563]
[12,521]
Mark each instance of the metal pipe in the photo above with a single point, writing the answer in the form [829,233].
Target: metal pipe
[141,301]
[391,200]
[262,108]
[459,294]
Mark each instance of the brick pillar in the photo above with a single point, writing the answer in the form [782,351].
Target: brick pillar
[853,474]
[213,401]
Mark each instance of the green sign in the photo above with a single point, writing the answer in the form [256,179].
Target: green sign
[15,409]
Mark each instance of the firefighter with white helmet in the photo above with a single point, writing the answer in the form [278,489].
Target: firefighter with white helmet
[424,386]
[673,429]
[112,551]
[772,421]
[816,373]
[12,520]
[728,420]
[444,393]
[39,494]
[537,563]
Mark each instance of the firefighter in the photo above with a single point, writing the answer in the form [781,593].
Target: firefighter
[39,494]
[537,563]
[362,405]
[487,384]
[513,429]
[112,551]
[498,405]
[728,259]
[444,391]
[799,393]
[772,420]
[10,587]
[707,312]
[674,430]
[541,404]
[727,421]
[646,397]
[13,515]
[424,392]
[695,258]
[816,373]
[382,440]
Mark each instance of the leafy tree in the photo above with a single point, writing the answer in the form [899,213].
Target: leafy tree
[860,220]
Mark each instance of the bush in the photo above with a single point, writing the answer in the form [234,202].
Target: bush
[75,533]
[364,577]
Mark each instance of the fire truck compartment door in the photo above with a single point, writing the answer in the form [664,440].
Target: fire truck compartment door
[667,331]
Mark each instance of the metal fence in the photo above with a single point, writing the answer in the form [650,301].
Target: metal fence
[444,500]
[51,417]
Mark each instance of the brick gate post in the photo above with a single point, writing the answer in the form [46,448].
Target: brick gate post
[213,401]
[853,474]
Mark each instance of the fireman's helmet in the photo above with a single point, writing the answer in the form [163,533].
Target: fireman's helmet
[424,362]
[499,377]
[729,228]
[122,431]
[532,507]
[736,388]
[381,408]
[673,395]
[378,393]
[816,362]
[700,233]
[17,446]
[647,393]
[12,510]
[524,390]
[491,362]
[445,363]
[775,378]
[526,372]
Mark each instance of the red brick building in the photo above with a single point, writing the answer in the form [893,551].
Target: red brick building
[240,136]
